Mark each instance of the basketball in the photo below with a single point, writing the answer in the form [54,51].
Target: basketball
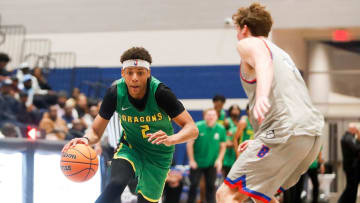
[79,163]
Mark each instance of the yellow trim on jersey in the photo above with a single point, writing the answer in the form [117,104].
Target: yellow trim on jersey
[132,163]
[147,198]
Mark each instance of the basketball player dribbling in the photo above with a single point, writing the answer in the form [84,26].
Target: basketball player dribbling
[146,108]
[286,124]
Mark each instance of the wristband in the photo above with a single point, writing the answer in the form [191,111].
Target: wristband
[87,139]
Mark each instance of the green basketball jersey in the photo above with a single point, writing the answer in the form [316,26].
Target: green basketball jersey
[230,155]
[138,124]
[248,133]
[221,118]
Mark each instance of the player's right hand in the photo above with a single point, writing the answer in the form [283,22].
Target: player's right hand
[243,146]
[262,106]
[74,142]
[193,164]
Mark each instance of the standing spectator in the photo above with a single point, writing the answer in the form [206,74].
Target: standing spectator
[219,101]
[350,145]
[232,122]
[75,93]
[4,60]
[206,155]
[54,126]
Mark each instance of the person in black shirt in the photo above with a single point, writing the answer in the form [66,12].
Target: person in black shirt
[4,60]
[350,145]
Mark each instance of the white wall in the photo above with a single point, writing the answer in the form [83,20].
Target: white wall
[170,47]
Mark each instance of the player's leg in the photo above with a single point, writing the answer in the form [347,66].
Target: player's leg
[121,173]
[195,176]
[226,194]
[210,178]
[273,200]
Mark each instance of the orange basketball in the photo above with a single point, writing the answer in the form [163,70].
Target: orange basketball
[79,163]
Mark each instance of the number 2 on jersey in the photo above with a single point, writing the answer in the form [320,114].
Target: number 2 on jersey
[144,128]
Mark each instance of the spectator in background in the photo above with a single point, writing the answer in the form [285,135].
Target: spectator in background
[43,84]
[43,98]
[8,95]
[77,130]
[54,126]
[75,93]
[350,146]
[68,115]
[173,185]
[219,101]
[244,131]
[15,87]
[81,105]
[206,155]
[27,115]
[89,117]
[232,123]
[4,60]
[9,130]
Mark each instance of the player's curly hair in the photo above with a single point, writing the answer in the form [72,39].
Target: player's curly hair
[256,18]
[136,53]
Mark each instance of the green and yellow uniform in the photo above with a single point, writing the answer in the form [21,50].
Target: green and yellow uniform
[207,145]
[150,162]
[221,118]
[248,133]
[230,155]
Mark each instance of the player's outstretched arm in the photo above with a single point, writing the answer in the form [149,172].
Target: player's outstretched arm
[254,52]
[92,136]
[188,132]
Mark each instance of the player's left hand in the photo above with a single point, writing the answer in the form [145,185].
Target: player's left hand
[261,107]
[160,137]
[218,165]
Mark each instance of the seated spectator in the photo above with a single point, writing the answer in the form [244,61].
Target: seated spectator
[28,115]
[54,126]
[81,105]
[9,130]
[4,60]
[89,117]
[75,93]
[68,115]
[43,84]
[173,186]
[77,130]
[8,95]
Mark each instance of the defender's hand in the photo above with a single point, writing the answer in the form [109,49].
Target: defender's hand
[261,107]
[74,142]
[160,137]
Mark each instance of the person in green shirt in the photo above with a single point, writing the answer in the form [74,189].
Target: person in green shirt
[146,108]
[232,123]
[206,155]
[244,131]
[219,101]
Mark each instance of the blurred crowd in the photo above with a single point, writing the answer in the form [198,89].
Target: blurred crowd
[27,101]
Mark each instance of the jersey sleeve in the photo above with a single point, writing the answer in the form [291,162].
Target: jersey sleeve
[108,105]
[167,100]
